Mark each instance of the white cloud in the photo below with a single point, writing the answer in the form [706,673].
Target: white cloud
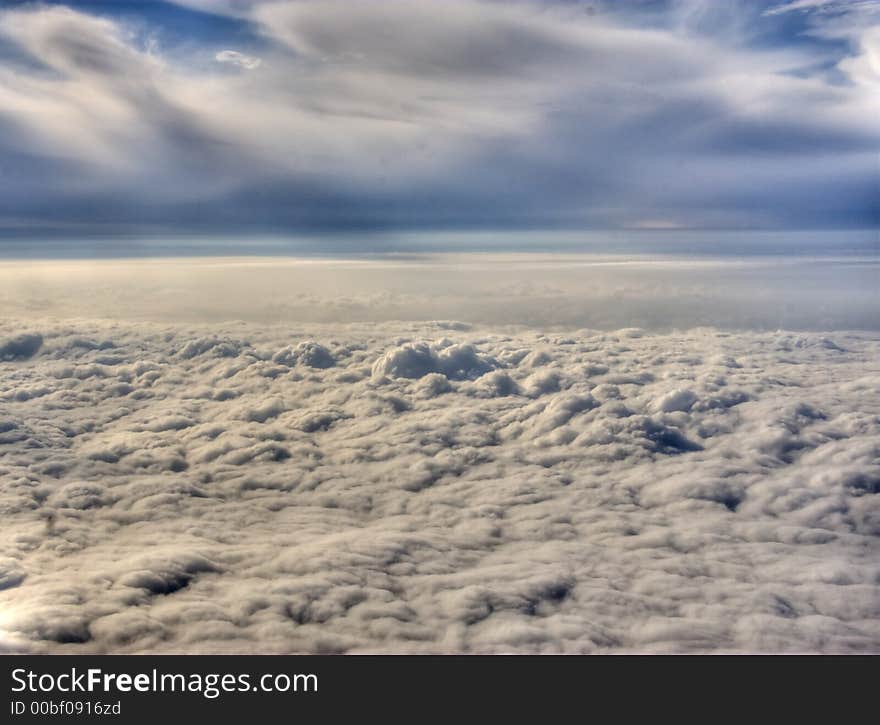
[823,5]
[233,57]
[234,8]
[799,5]
[864,68]
[436,487]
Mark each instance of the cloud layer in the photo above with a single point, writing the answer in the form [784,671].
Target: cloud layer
[571,290]
[461,113]
[436,487]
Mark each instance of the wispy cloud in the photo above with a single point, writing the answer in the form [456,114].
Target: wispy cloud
[233,57]
[823,5]
[459,113]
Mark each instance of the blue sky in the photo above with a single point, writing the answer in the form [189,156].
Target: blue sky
[262,117]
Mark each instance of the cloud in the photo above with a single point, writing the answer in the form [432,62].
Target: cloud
[763,291]
[233,57]
[420,359]
[463,114]
[234,8]
[310,353]
[864,68]
[823,5]
[465,41]
[20,347]
[492,489]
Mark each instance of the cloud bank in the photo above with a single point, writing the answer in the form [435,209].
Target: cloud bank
[547,290]
[436,487]
[457,114]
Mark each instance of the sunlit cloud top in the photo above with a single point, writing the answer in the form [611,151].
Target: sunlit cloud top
[240,116]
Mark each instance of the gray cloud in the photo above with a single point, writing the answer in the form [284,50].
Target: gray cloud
[465,41]
[464,113]
[233,57]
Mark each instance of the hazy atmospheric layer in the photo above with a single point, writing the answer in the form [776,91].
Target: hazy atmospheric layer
[429,486]
[604,291]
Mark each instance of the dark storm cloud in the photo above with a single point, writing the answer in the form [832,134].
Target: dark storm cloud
[421,115]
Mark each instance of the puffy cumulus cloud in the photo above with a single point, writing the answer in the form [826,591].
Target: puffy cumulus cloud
[309,353]
[420,359]
[462,113]
[20,347]
[437,487]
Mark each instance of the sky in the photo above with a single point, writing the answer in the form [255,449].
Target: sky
[253,117]
[299,351]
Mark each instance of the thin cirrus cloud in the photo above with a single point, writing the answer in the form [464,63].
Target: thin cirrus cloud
[240,59]
[462,114]
[824,5]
